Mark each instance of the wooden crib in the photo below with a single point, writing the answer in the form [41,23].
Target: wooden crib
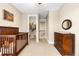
[12,41]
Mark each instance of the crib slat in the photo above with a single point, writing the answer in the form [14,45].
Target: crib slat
[9,47]
[14,46]
[5,45]
[8,44]
[2,45]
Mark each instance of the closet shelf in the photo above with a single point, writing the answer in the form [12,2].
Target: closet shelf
[42,29]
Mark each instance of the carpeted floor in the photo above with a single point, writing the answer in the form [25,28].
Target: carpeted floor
[39,49]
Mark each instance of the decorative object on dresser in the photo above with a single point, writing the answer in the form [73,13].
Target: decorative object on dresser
[12,41]
[65,43]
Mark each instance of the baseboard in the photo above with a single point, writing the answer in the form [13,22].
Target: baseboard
[50,42]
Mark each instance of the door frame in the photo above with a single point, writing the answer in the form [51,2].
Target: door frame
[37,38]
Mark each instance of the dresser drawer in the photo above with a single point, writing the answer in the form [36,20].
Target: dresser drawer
[65,43]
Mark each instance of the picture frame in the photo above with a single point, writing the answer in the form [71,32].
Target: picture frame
[8,16]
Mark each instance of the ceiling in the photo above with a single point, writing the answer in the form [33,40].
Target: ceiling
[34,8]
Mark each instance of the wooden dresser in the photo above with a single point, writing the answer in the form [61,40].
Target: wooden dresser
[65,43]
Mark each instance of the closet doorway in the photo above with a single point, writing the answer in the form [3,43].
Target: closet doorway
[33,28]
[43,26]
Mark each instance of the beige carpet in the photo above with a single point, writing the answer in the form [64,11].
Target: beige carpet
[39,49]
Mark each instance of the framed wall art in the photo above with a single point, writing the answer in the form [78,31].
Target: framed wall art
[8,16]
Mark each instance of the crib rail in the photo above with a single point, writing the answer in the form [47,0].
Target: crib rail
[22,36]
[7,44]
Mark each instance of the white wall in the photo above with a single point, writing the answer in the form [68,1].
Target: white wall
[24,23]
[16,13]
[52,25]
[71,11]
